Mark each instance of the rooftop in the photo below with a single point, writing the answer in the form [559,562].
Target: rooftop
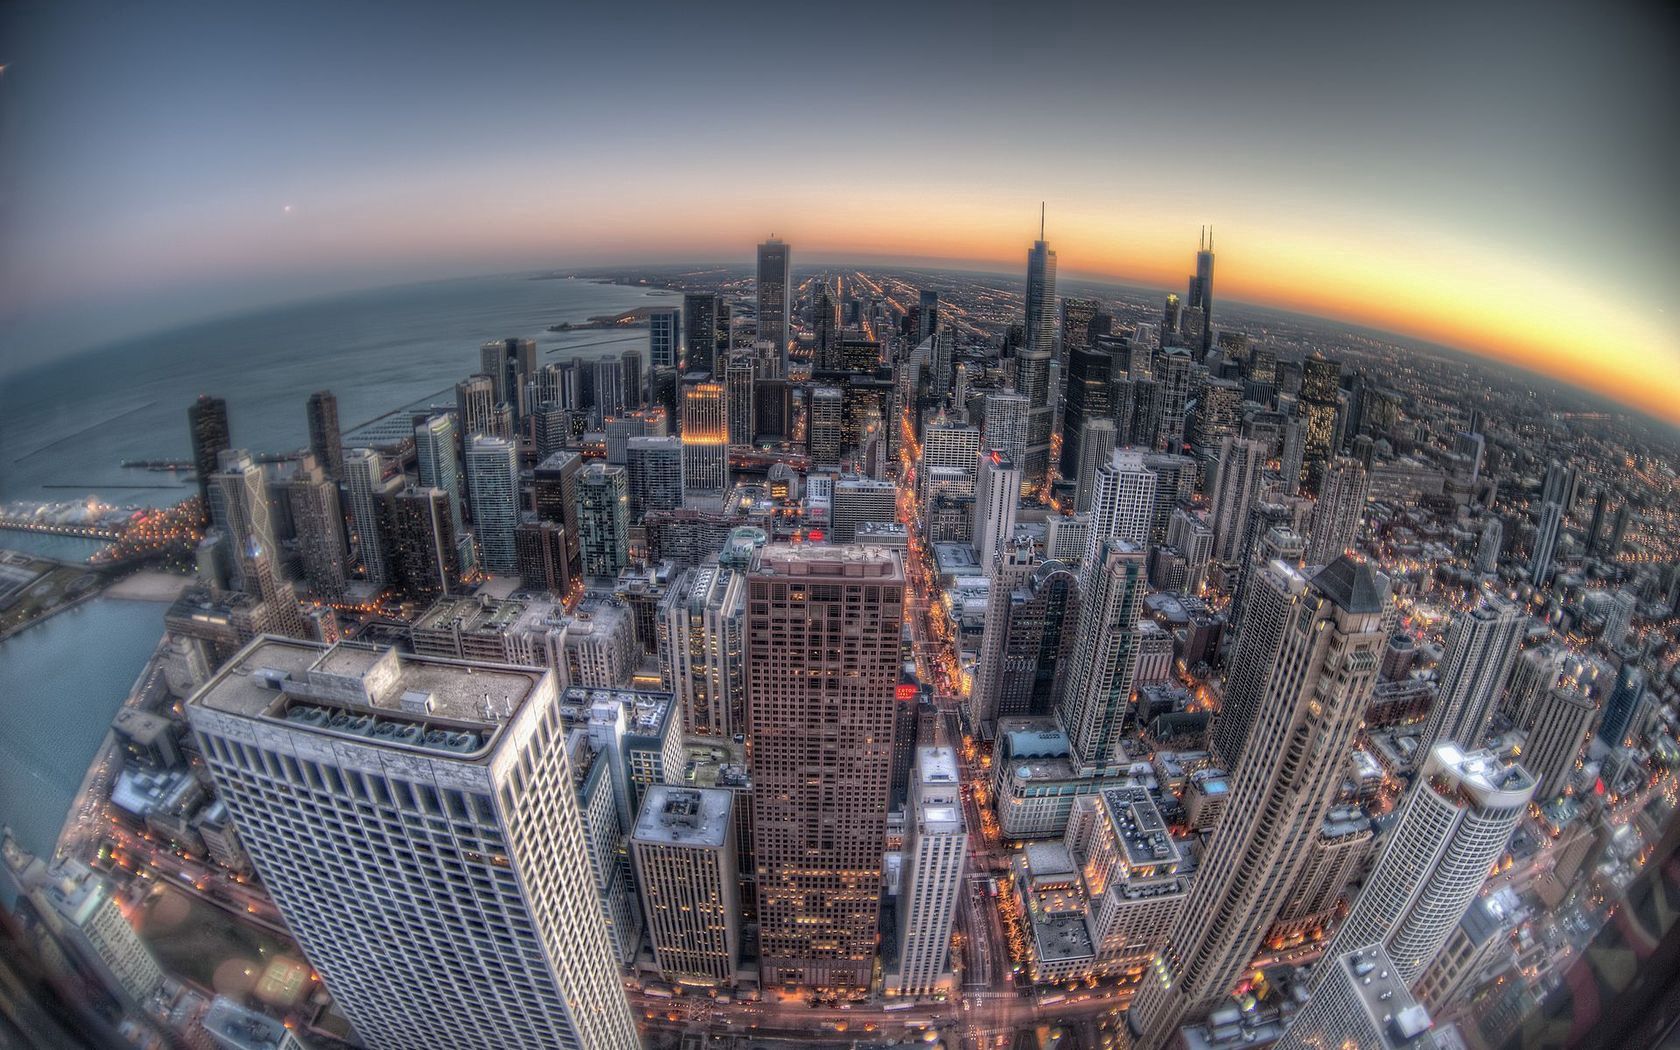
[1353,585]
[684,816]
[646,711]
[384,697]
[232,1025]
[1138,827]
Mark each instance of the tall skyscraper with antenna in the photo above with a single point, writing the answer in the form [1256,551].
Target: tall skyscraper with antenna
[1201,288]
[775,296]
[1033,378]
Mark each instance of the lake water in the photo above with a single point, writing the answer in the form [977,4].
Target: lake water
[61,681]
[66,427]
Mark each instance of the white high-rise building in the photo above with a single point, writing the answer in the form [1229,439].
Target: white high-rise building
[1544,553]
[1452,829]
[1274,590]
[1188,530]
[1094,708]
[1097,440]
[1481,646]
[948,443]
[1122,503]
[1619,618]
[1341,503]
[364,484]
[1362,1002]
[857,500]
[415,821]
[493,484]
[686,865]
[935,848]
[434,448]
[1487,548]
[701,648]
[1004,424]
[1315,700]
[1236,487]
[996,496]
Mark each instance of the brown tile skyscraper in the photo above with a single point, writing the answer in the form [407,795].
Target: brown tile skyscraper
[822,664]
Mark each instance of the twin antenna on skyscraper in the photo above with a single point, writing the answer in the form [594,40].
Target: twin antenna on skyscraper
[1206,243]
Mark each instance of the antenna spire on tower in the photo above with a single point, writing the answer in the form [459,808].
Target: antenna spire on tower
[1041,220]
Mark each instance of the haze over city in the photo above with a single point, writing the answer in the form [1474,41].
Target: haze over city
[761,527]
[1470,177]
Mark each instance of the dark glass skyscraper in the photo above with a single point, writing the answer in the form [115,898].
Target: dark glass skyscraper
[207,419]
[775,296]
[1090,395]
[702,337]
[324,439]
[1201,289]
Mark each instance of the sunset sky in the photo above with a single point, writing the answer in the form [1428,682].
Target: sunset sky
[1496,179]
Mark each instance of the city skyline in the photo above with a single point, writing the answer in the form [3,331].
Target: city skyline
[1341,204]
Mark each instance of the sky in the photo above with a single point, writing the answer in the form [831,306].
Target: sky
[1494,177]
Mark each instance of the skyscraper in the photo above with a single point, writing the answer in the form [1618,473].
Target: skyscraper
[1341,503]
[1095,707]
[775,297]
[1201,289]
[1320,385]
[705,332]
[739,377]
[1027,644]
[424,550]
[1362,1002]
[1314,702]
[493,484]
[935,847]
[365,484]
[822,666]
[554,498]
[655,474]
[437,461]
[1032,379]
[1542,559]
[1453,826]
[239,508]
[510,364]
[1273,594]
[1172,394]
[604,519]
[324,439]
[1041,295]
[823,425]
[1480,648]
[857,500]
[1122,503]
[1236,487]
[684,846]
[664,338]
[1557,721]
[207,421]
[1089,397]
[318,523]
[307,745]
[475,406]
[1096,447]
[705,437]
[996,496]
[1622,703]
[702,648]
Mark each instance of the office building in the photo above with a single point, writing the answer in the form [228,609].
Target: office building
[1089,397]
[1173,372]
[1201,291]
[318,523]
[1096,704]
[1542,560]
[685,851]
[475,406]
[541,549]
[1033,379]
[857,500]
[239,508]
[1314,701]
[1096,447]
[935,848]
[1236,488]
[435,443]
[366,486]
[654,469]
[1004,424]
[1453,827]
[1480,649]
[824,425]
[1622,703]
[705,437]
[705,332]
[664,339]
[1129,866]
[822,666]
[996,497]
[603,519]
[1557,719]
[423,551]
[493,485]
[1362,1002]
[1275,589]
[207,422]
[702,649]
[1122,502]
[1342,492]
[775,298]
[324,439]
[1317,409]
[306,744]
[1026,646]
[740,377]
[554,498]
